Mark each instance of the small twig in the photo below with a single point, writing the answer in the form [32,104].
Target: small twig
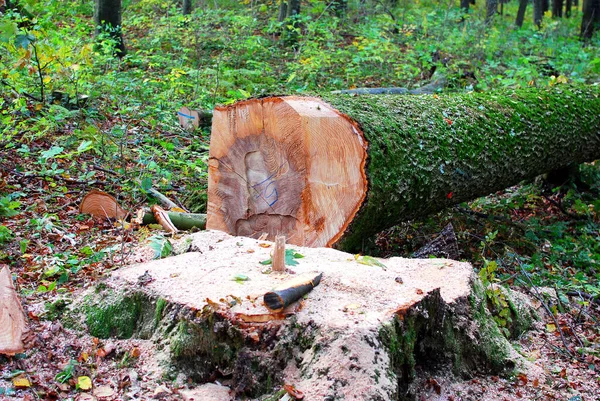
[538,296]
[565,211]
[27,95]
[590,297]
[107,171]
[166,202]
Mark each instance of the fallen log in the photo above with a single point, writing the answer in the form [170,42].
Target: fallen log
[332,171]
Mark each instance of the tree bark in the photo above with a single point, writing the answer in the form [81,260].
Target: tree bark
[491,7]
[568,7]
[107,17]
[332,171]
[187,7]
[557,7]
[464,4]
[538,12]
[521,13]
[590,20]
[293,8]
[282,11]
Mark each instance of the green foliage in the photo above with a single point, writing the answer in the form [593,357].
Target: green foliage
[67,373]
[8,206]
[162,246]
[290,258]
[6,235]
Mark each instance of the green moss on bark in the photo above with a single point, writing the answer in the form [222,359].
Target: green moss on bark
[116,316]
[432,334]
[428,152]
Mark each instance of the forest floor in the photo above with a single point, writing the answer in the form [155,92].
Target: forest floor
[53,260]
[123,137]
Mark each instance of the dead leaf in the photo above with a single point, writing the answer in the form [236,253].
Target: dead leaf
[136,352]
[84,383]
[104,392]
[419,291]
[21,382]
[293,391]
[264,245]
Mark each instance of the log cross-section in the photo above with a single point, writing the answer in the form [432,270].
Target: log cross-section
[297,166]
[285,166]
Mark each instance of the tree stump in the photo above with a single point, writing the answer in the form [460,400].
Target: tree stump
[364,332]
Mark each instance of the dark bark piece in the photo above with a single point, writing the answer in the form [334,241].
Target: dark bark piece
[107,17]
[444,245]
[291,291]
[298,166]
[491,8]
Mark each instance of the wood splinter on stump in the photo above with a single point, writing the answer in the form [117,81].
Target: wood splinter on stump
[297,166]
[279,254]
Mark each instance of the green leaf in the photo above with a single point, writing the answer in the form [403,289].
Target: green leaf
[266,262]
[370,261]
[146,183]
[162,246]
[8,29]
[50,153]
[24,40]
[23,245]
[84,146]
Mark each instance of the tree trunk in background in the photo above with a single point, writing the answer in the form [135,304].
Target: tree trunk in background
[557,7]
[568,7]
[282,11]
[333,171]
[293,8]
[491,7]
[575,3]
[590,21]
[187,7]
[107,17]
[521,12]
[464,4]
[538,12]
[545,5]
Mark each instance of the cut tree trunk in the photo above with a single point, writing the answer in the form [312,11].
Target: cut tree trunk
[360,334]
[335,170]
[12,319]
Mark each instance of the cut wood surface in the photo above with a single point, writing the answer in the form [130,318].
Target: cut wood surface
[332,171]
[12,319]
[100,204]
